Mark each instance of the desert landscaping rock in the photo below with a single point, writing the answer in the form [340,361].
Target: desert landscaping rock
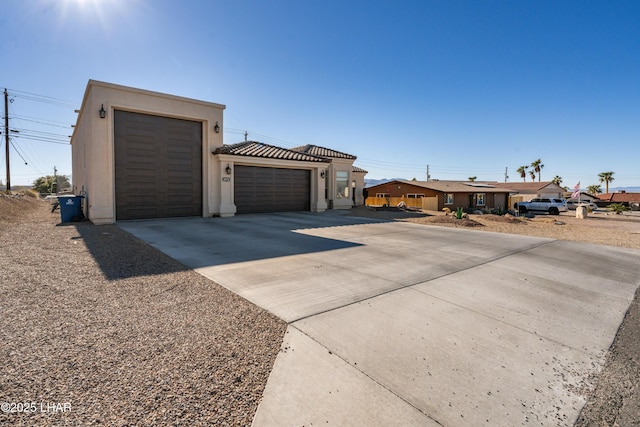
[96,319]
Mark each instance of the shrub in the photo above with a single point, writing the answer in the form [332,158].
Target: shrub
[30,193]
[618,208]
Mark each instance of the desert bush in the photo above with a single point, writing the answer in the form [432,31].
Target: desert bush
[618,208]
[30,193]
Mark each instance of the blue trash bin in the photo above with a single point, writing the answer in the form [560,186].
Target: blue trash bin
[70,208]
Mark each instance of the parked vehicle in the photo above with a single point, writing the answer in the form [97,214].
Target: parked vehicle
[543,204]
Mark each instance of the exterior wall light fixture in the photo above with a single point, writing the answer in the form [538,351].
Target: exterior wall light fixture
[228,169]
[323,174]
[103,112]
[216,128]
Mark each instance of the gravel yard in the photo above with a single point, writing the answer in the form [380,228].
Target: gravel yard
[600,228]
[99,328]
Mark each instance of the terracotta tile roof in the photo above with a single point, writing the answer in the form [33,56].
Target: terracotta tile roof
[258,149]
[314,150]
[619,197]
[358,170]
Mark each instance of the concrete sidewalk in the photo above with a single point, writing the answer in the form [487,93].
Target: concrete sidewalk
[403,324]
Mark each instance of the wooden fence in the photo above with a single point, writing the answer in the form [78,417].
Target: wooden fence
[394,201]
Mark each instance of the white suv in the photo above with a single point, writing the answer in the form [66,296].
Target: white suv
[543,204]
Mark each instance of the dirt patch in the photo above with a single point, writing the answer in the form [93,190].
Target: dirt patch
[601,230]
[385,213]
[508,219]
[20,209]
[448,220]
[96,319]
[615,401]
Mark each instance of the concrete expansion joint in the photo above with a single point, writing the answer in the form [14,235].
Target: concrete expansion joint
[355,366]
[534,333]
[401,286]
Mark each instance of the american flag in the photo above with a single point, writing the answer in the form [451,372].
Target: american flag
[576,191]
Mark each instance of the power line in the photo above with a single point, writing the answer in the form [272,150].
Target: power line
[40,121]
[19,154]
[33,155]
[44,139]
[42,98]
[263,138]
[44,134]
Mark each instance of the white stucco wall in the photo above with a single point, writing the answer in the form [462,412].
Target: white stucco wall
[93,143]
[358,177]
[339,165]
[93,153]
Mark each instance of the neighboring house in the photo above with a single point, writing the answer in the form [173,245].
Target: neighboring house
[139,154]
[440,194]
[530,190]
[525,191]
[584,197]
[631,200]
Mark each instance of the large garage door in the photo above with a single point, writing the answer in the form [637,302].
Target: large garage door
[158,166]
[271,189]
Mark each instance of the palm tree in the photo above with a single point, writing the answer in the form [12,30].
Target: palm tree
[606,177]
[522,170]
[532,174]
[472,178]
[537,167]
[594,189]
[557,180]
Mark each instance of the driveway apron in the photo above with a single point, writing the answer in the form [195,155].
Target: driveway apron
[393,323]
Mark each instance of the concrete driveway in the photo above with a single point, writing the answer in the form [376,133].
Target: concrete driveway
[403,324]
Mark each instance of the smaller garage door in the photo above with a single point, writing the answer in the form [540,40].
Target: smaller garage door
[259,189]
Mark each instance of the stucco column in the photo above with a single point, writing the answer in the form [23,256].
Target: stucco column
[318,202]
[225,179]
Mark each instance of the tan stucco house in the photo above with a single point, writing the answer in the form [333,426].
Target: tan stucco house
[139,154]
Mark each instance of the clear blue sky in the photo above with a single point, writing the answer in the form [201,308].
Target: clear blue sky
[466,87]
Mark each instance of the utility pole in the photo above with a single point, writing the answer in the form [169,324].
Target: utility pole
[6,136]
[428,176]
[246,134]
[55,179]
[506,173]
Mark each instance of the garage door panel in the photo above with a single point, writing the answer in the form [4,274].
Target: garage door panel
[158,162]
[261,189]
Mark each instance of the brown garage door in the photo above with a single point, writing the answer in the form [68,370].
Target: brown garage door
[259,189]
[158,166]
